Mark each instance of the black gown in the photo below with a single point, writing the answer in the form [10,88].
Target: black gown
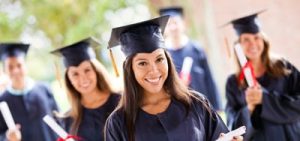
[201,77]
[28,110]
[170,125]
[277,118]
[93,120]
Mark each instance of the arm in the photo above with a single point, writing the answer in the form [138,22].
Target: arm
[236,107]
[283,107]
[213,124]
[113,130]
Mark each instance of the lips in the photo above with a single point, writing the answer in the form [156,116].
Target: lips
[153,81]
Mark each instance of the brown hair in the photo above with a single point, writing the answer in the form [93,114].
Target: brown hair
[275,66]
[133,93]
[75,97]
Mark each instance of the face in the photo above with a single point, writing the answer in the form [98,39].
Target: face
[83,77]
[253,45]
[151,70]
[15,68]
[175,26]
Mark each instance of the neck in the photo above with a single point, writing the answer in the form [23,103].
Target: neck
[258,67]
[20,85]
[151,98]
[94,99]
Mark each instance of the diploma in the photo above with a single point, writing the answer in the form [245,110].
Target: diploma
[186,69]
[56,128]
[7,115]
[243,62]
[237,132]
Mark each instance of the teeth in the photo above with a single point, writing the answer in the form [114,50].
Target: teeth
[153,80]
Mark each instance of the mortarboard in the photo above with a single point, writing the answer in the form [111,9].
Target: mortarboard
[171,11]
[13,50]
[142,37]
[77,52]
[246,24]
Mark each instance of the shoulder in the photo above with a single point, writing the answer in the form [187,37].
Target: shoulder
[231,79]
[116,119]
[5,95]
[200,102]
[114,99]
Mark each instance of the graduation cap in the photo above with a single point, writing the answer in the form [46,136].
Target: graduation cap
[77,52]
[246,24]
[13,50]
[172,11]
[142,37]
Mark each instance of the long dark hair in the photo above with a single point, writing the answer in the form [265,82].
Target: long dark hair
[275,66]
[133,93]
[75,97]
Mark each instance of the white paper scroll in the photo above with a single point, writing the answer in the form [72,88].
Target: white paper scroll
[56,128]
[237,132]
[186,68]
[7,115]
[243,60]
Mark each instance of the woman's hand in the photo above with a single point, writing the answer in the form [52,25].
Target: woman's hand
[253,96]
[235,138]
[14,134]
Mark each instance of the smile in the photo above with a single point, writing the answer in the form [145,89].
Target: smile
[153,81]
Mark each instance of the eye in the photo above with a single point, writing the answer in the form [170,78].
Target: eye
[87,70]
[142,63]
[160,59]
[74,74]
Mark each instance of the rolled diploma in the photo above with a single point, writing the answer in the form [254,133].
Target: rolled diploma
[7,115]
[237,132]
[243,60]
[186,67]
[56,128]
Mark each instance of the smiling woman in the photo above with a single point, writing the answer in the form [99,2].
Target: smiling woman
[90,94]
[156,105]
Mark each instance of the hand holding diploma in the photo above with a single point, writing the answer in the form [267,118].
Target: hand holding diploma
[64,136]
[247,68]
[234,135]
[185,73]
[13,133]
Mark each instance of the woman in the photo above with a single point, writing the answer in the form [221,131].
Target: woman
[155,104]
[89,91]
[271,108]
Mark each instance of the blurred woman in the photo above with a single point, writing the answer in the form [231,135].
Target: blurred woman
[90,94]
[271,108]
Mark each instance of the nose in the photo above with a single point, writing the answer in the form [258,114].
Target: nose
[153,68]
[82,78]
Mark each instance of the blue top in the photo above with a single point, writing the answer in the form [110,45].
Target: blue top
[171,125]
[277,118]
[93,120]
[201,77]
[28,110]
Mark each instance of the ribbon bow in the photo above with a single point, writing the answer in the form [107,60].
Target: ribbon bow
[242,75]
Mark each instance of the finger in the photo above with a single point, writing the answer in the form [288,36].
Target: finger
[222,135]
[238,138]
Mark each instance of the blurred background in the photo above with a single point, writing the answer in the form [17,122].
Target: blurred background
[49,24]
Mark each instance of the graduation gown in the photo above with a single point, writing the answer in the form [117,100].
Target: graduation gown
[277,118]
[201,77]
[93,120]
[171,125]
[28,111]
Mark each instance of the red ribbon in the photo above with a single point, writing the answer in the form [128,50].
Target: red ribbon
[183,76]
[69,137]
[242,75]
